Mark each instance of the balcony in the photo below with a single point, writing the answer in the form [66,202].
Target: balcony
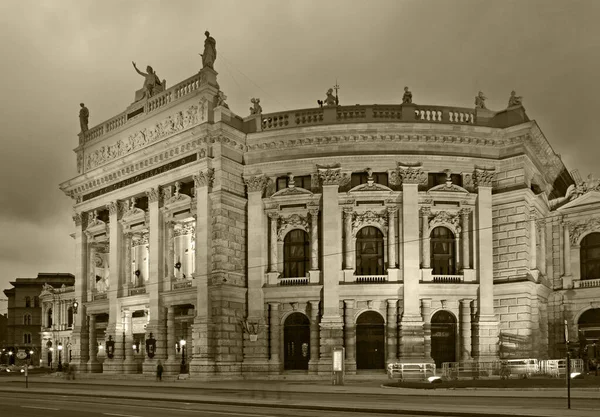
[293,281]
[363,279]
[586,283]
[467,276]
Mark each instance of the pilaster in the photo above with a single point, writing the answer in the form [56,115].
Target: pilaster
[129,364]
[350,336]
[80,335]
[465,329]
[93,366]
[426,314]
[313,363]
[275,336]
[391,331]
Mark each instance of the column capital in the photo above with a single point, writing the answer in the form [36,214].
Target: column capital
[273,215]
[392,302]
[425,211]
[349,303]
[204,178]
[313,211]
[391,210]
[153,194]
[331,175]
[256,183]
[78,218]
[114,207]
[466,301]
[348,211]
[465,211]
[274,305]
[411,174]
[483,177]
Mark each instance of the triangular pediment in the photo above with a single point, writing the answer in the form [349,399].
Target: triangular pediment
[589,198]
[369,187]
[445,187]
[290,191]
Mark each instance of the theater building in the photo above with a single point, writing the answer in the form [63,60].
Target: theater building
[409,232]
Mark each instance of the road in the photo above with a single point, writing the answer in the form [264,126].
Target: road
[67,406]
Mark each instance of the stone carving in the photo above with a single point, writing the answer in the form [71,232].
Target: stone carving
[411,174]
[369,218]
[140,239]
[84,115]
[185,229]
[204,178]
[294,221]
[330,99]
[483,177]
[256,108]
[172,195]
[407,97]
[77,218]
[113,207]
[47,289]
[331,175]
[582,228]
[220,100]
[79,162]
[480,101]
[210,51]
[577,190]
[256,182]
[93,218]
[130,209]
[152,83]
[172,124]
[153,194]
[514,99]
[444,218]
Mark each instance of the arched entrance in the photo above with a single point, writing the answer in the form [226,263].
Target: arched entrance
[296,342]
[370,341]
[443,337]
[589,328]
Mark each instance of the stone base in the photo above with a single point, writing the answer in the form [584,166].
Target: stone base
[77,366]
[348,275]
[255,368]
[171,368]
[94,367]
[313,367]
[485,339]
[276,367]
[130,367]
[350,367]
[412,338]
[229,369]
[202,368]
[112,366]
[314,276]
[149,365]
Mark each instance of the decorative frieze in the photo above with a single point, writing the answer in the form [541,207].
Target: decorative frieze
[483,177]
[256,183]
[582,228]
[369,218]
[204,178]
[446,219]
[153,194]
[294,221]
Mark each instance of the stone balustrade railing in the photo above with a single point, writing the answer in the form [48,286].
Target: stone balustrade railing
[371,278]
[586,283]
[293,281]
[447,279]
[145,107]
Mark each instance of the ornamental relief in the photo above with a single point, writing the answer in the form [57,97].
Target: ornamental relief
[369,218]
[185,229]
[446,219]
[577,230]
[287,223]
[140,239]
[172,124]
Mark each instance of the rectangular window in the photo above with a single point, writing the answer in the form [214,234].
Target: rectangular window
[302,181]
[359,178]
[27,301]
[439,178]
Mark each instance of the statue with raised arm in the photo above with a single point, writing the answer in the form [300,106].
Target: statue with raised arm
[152,83]
[256,107]
[84,115]
[210,51]
[480,101]
[514,99]
[407,97]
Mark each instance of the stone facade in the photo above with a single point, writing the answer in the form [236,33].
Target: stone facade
[403,233]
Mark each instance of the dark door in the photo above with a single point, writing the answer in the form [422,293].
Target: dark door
[370,341]
[296,342]
[443,338]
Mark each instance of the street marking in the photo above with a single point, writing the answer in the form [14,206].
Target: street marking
[40,408]
[120,415]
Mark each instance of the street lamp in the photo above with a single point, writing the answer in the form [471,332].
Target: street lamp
[60,347]
[182,344]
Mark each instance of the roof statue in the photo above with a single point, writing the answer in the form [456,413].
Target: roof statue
[480,101]
[152,84]
[220,100]
[514,99]
[407,97]
[256,108]
[84,115]
[330,99]
[210,51]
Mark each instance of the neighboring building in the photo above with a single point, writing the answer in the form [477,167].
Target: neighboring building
[25,313]
[58,315]
[408,232]
[3,338]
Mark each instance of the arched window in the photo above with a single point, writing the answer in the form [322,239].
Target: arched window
[443,259]
[70,317]
[49,317]
[369,251]
[590,256]
[27,319]
[27,301]
[295,254]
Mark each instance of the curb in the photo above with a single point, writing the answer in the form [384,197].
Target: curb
[296,406]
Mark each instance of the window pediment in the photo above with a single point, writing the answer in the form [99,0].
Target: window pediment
[370,187]
[448,188]
[292,191]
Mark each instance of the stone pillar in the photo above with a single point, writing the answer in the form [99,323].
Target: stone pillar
[465,329]
[426,314]
[127,266]
[115,322]
[459,265]
[171,251]
[89,277]
[156,325]
[274,334]
[171,366]
[202,362]
[466,244]
[256,352]
[486,324]
[567,249]
[411,326]
[129,365]
[314,239]
[273,242]
[533,264]
[93,365]
[350,336]
[391,331]
[313,363]
[349,254]
[80,334]
[542,261]
[392,249]
[332,332]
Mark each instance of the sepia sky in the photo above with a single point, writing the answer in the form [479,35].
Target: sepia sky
[56,54]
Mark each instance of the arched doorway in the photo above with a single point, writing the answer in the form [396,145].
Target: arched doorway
[589,328]
[443,337]
[370,341]
[296,342]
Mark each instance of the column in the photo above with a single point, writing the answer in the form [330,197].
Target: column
[411,326]
[465,329]
[532,241]
[459,265]
[274,334]
[171,366]
[392,264]
[93,365]
[348,249]
[542,262]
[486,325]
[129,365]
[391,333]
[313,363]
[202,333]
[273,242]
[331,326]
[127,266]
[426,314]
[466,244]
[170,273]
[314,238]
[425,245]
[350,336]
[567,249]
[80,335]
[89,277]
